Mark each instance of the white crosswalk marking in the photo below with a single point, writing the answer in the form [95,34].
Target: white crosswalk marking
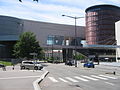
[89,78]
[110,83]
[99,77]
[71,79]
[108,76]
[53,79]
[63,80]
[81,78]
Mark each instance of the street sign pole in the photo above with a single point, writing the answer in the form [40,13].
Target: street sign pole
[34,54]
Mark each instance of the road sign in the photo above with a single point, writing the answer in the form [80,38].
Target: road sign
[33,53]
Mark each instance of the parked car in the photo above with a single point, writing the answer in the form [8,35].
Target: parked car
[31,65]
[3,67]
[89,64]
[83,61]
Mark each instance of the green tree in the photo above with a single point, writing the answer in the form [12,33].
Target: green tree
[27,44]
[80,56]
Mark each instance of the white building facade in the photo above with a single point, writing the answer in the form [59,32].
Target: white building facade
[117,36]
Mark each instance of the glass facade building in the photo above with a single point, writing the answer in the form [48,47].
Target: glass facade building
[100,24]
[10,29]
[63,40]
[51,36]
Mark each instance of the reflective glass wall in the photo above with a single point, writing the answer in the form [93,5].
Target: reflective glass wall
[63,40]
[100,24]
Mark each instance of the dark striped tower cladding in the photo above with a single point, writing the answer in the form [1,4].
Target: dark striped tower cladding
[100,24]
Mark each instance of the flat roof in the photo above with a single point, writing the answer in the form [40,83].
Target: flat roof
[102,5]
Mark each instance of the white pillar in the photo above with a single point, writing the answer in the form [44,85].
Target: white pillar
[117,36]
[117,54]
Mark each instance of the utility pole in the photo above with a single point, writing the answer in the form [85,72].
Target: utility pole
[75,18]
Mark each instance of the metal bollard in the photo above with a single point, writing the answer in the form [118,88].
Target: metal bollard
[114,73]
[13,67]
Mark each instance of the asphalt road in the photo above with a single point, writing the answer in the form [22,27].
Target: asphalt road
[18,79]
[62,77]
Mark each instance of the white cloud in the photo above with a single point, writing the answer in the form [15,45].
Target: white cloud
[115,1]
[78,3]
[44,12]
[49,10]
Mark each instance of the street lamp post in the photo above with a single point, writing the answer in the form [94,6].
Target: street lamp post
[75,18]
[52,52]
[52,48]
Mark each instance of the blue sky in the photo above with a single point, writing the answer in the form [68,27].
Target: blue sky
[50,10]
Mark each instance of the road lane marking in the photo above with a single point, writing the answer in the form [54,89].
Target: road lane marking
[63,80]
[108,76]
[110,83]
[99,77]
[53,79]
[19,77]
[71,79]
[89,78]
[81,78]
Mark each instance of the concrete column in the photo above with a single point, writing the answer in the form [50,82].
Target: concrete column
[117,54]
[117,36]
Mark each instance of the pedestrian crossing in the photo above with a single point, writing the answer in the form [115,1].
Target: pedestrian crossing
[99,77]
[71,79]
[108,77]
[53,79]
[89,78]
[63,80]
[83,78]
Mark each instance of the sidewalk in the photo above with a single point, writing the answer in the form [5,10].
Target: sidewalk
[114,64]
[18,79]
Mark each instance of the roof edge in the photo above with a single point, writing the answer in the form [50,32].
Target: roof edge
[95,6]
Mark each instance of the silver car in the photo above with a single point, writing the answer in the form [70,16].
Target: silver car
[31,65]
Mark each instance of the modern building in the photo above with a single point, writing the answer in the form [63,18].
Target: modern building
[59,39]
[55,37]
[100,24]
[100,30]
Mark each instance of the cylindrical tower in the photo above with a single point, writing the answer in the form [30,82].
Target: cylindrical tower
[100,24]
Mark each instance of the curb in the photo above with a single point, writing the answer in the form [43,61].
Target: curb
[36,82]
[111,65]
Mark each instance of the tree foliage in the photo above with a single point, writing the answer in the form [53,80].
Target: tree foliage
[27,44]
[80,57]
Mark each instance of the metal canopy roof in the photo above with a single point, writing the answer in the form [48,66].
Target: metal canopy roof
[9,37]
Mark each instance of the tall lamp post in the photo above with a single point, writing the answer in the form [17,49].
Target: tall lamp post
[52,48]
[75,18]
